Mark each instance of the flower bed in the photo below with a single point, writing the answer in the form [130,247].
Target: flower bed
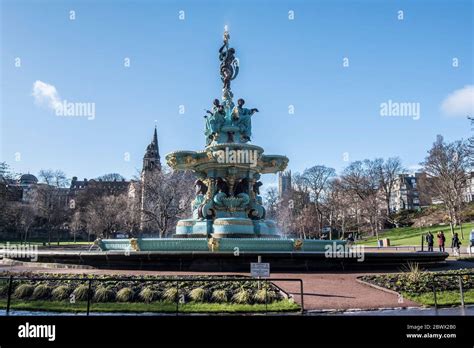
[135,289]
[417,282]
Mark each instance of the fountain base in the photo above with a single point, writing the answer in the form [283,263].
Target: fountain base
[218,244]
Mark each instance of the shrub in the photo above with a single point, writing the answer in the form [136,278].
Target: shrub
[125,295]
[242,297]
[103,294]
[147,294]
[42,291]
[198,295]
[81,292]
[23,291]
[414,272]
[60,293]
[4,289]
[219,296]
[260,295]
[170,294]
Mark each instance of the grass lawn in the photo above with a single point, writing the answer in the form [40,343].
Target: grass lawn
[158,307]
[443,298]
[412,236]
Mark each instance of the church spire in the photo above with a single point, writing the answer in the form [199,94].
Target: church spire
[155,144]
[151,160]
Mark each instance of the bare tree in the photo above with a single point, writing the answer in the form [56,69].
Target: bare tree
[388,173]
[271,202]
[107,214]
[167,197]
[56,178]
[111,177]
[49,201]
[447,166]
[317,179]
[78,224]
[361,179]
[5,172]
[338,206]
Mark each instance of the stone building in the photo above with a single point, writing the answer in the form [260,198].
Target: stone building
[405,195]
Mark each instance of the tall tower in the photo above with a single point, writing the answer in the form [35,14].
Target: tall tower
[284,183]
[151,166]
[151,160]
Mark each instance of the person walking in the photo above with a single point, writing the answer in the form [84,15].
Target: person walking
[430,240]
[456,244]
[441,240]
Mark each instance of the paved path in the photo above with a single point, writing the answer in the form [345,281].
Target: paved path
[340,291]
[322,291]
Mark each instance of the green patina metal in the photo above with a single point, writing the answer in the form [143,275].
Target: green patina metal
[232,245]
[228,202]
[228,211]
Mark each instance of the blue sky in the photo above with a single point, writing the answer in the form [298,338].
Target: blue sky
[283,62]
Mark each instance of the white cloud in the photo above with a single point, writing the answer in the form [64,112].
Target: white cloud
[46,94]
[460,102]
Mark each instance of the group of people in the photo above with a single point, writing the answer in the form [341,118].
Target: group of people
[455,242]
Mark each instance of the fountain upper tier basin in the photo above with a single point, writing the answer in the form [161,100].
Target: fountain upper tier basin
[221,157]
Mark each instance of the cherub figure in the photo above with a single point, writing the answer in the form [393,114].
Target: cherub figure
[243,118]
[214,121]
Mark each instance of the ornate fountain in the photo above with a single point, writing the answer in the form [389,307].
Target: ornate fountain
[227,212]
[228,202]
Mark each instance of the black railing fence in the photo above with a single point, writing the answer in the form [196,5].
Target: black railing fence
[178,281]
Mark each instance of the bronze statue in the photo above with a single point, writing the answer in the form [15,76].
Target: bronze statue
[215,121]
[242,187]
[200,187]
[222,186]
[243,118]
[256,187]
[229,64]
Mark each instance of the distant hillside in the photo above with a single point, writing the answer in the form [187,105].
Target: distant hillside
[431,216]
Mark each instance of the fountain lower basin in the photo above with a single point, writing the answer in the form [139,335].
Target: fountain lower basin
[218,244]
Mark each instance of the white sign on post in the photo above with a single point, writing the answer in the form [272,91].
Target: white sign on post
[260,269]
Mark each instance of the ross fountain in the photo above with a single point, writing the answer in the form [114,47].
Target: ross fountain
[227,212]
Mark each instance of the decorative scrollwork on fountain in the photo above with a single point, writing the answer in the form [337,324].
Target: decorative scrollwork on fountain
[134,244]
[213,244]
[298,244]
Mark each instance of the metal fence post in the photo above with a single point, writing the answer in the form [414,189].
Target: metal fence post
[266,302]
[302,296]
[9,296]
[434,295]
[177,297]
[461,291]
[89,290]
